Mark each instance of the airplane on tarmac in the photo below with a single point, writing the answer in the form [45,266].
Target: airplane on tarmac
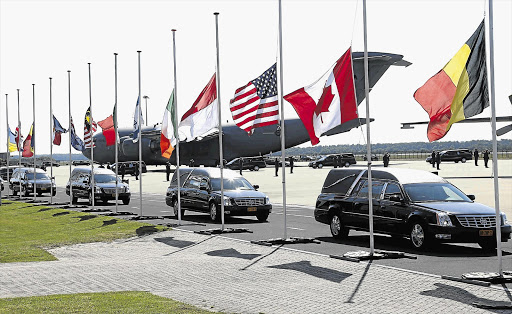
[236,142]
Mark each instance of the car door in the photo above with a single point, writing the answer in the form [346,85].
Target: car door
[387,210]
[203,194]
[361,205]
[190,193]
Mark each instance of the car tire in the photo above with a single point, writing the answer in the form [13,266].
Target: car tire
[338,231]
[126,201]
[456,161]
[320,166]
[25,192]
[256,168]
[90,198]
[347,164]
[488,245]
[14,193]
[175,209]
[74,200]
[463,160]
[54,192]
[214,215]
[262,217]
[418,235]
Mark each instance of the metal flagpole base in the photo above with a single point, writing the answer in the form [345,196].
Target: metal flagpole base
[280,241]
[357,256]
[221,231]
[494,278]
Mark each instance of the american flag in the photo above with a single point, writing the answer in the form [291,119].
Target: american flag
[255,104]
[89,128]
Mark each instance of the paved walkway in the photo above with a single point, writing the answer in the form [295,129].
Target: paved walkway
[222,274]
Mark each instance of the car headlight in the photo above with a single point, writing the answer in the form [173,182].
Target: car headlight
[227,201]
[97,189]
[267,200]
[127,189]
[30,185]
[444,220]
[504,220]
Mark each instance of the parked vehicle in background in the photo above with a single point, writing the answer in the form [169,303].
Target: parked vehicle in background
[104,185]
[3,172]
[200,191]
[410,203]
[374,157]
[81,162]
[347,159]
[129,167]
[251,163]
[455,155]
[24,179]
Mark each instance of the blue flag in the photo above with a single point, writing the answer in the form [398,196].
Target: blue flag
[57,131]
[136,126]
[76,142]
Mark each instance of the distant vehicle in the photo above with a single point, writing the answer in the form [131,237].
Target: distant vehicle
[455,155]
[80,162]
[305,158]
[129,167]
[329,160]
[3,172]
[251,163]
[272,161]
[104,184]
[200,191]
[24,179]
[49,164]
[410,203]
[374,157]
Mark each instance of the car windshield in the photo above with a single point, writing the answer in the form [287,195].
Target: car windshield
[41,176]
[104,178]
[434,192]
[231,184]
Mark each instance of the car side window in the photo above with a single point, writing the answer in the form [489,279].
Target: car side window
[376,189]
[193,183]
[392,189]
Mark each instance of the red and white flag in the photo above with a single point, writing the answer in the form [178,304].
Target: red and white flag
[255,104]
[328,102]
[202,116]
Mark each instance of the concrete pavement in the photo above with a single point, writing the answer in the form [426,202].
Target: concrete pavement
[222,274]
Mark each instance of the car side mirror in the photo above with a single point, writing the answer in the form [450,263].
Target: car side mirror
[471,197]
[256,186]
[396,198]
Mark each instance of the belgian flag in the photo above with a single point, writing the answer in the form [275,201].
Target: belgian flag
[459,90]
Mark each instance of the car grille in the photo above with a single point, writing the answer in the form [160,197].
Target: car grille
[250,201]
[113,190]
[477,221]
[41,185]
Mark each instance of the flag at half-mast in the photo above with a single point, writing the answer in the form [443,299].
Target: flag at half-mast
[202,116]
[137,116]
[168,134]
[89,128]
[18,138]
[328,102]
[459,90]
[12,140]
[76,141]
[28,144]
[57,131]
[255,104]
[108,129]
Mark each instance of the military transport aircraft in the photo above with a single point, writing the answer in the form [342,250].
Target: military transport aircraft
[236,142]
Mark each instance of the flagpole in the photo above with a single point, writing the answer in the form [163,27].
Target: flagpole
[33,141]
[92,138]
[69,119]
[221,155]
[283,145]
[368,142]
[176,136]
[8,141]
[140,140]
[115,126]
[51,144]
[19,137]
[494,141]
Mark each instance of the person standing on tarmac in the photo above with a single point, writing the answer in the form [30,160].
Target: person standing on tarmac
[438,160]
[486,158]
[475,154]
[291,164]
[167,170]
[122,171]
[276,164]
[136,171]
[433,160]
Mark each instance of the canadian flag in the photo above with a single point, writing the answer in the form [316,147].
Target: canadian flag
[328,102]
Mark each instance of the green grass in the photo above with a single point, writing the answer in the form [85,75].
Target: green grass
[26,230]
[111,302]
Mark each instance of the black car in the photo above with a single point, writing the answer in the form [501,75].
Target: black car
[410,203]
[104,185]
[374,157]
[251,163]
[129,167]
[80,162]
[455,155]
[24,181]
[201,191]
[329,160]
[4,170]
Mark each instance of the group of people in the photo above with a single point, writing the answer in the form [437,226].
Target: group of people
[485,155]
[277,163]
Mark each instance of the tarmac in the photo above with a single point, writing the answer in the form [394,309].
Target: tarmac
[235,276]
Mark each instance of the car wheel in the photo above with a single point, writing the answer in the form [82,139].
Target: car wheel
[488,245]
[54,192]
[320,166]
[25,191]
[347,164]
[74,200]
[418,235]
[463,160]
[175,209]
[456,161]
[90,199]
[126,201]
[14,192]
[213,212]
[262,217]
[338,231]
[256,168]
[39,194]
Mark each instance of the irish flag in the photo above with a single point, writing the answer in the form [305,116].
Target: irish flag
[168,134]
[459,90]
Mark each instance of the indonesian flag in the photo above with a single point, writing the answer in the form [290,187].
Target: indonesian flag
[328,102]
[168,134]
[202,116]
[108,130]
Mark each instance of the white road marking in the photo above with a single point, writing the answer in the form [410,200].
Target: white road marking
[306,216]
[295,228]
